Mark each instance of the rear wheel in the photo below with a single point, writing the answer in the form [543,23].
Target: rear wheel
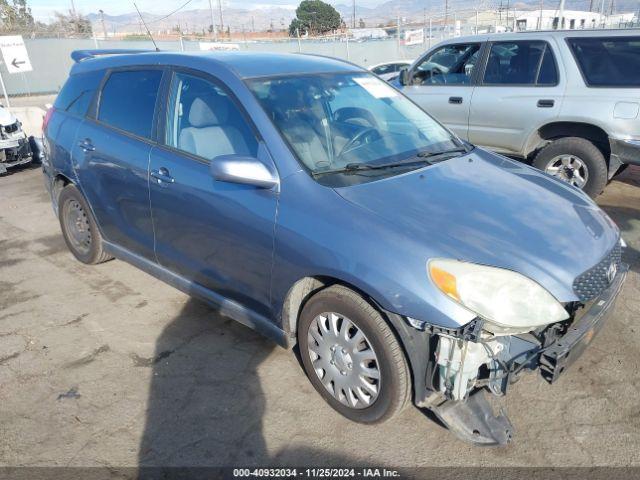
[79,228]
[576,161]
[352,357]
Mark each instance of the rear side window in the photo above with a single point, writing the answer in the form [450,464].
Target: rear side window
[128,100]
[608,61]
[77,93]
[521,63]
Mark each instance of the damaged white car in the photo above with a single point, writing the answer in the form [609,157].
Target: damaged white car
[15,148]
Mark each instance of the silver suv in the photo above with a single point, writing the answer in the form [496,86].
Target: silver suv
[566,101]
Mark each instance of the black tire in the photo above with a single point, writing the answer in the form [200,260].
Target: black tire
[90,250]
[590,155]
[394,388]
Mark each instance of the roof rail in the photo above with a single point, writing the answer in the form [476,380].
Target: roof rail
[79,55]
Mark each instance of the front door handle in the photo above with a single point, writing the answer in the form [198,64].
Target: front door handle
[86,145]
[546,103]
[162,176]
[456,100]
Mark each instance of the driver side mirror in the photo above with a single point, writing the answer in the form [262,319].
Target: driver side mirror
[243,169]
[404,77]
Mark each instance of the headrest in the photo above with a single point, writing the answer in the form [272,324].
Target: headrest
[201,113]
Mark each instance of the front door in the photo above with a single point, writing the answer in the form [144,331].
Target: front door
[519,91]
[442,84]
[216,234]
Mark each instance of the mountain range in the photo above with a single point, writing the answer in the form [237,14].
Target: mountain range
[279,17]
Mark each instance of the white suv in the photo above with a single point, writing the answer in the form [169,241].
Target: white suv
[567,101]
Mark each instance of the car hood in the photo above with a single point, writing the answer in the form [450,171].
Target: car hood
[488,209]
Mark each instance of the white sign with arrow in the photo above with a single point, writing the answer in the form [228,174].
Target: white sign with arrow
[15,54]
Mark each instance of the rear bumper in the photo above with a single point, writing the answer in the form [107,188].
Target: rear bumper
[559,356]
[625,151]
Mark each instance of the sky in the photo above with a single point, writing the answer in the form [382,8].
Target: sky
[43,9]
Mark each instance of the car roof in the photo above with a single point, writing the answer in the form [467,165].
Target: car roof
[544,34]
[242,64]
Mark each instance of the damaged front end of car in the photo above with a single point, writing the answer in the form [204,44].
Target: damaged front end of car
[519,328]
[15,148]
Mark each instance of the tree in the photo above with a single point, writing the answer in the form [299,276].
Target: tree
[71,25]
[15,17]
[314,17]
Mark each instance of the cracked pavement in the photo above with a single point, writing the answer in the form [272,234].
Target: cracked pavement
[106,366]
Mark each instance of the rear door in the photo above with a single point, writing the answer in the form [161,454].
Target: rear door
[113,166]
[69,109]
[442,84]
[520,89]
[214,233]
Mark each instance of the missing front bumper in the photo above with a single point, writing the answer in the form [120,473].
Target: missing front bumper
[564,352]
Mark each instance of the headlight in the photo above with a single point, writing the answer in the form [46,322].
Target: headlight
[509,301]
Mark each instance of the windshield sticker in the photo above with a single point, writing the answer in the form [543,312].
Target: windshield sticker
[375,87]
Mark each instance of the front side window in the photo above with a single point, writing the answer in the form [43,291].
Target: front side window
[449,65]
[128,101]
[520,63]
[608,61]
[203,120]
[342,123]
[77,93]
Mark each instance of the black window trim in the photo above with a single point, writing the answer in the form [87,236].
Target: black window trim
[481,82]
[577,62]
[161,113]
[475,78]
[94,109]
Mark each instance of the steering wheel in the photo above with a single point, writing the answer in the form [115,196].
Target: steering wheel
[345,114]
[437,75]
[363,137]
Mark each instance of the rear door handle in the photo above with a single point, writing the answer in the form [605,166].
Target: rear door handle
[86,145]
[456,100]
[546,103]
[162,176]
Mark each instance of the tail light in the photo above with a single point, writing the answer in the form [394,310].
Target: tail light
[46,118]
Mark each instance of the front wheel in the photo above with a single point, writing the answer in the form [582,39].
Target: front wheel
[352,356]
[576,161]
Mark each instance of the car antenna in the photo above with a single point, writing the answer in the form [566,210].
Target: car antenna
[145,26]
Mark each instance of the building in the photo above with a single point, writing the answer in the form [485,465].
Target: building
[572,20]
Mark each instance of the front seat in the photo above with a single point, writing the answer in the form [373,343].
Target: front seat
[209,134]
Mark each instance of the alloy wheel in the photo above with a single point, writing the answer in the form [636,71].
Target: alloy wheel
[570,169]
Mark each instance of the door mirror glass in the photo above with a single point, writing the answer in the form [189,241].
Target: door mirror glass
[403,78]
[243,169]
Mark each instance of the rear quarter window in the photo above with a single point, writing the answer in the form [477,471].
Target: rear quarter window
[77,93]
[608,61]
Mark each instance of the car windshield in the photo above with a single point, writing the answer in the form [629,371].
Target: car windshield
[354,122]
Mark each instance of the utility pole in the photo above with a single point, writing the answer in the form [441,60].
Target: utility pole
[540,19]
[446,12]
[561,16]
[221,19]
[104,30]
[213,22]
[73,9]
[353,23]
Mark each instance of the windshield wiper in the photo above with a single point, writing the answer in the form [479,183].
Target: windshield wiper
[433,155]
[418,159]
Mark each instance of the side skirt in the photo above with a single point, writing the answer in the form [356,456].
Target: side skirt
[224,306]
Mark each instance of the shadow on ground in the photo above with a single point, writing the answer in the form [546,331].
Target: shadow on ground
[206,402]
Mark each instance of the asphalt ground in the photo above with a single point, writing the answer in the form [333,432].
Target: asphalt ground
[107,366]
